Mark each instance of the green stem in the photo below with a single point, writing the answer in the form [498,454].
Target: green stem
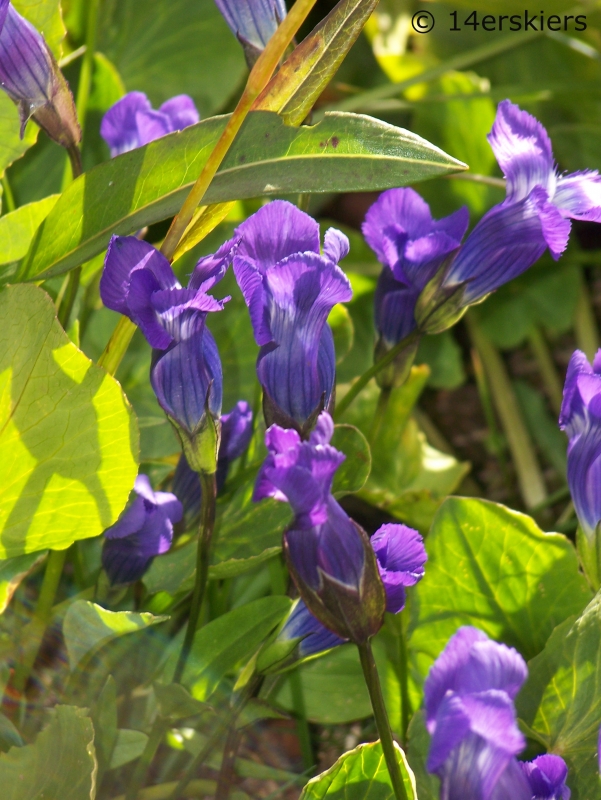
[546,367]
[585,324]
[529,475]
[381,364]
[228,763]
[117,345]
[379,414]
[302,726]
[404,683]
[372,679]
[257,80]
[41,618]
[66,306]
[8,195]
[207,523]
[152,745]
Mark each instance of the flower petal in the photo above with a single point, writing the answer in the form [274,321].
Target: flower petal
[152,125]
[181,111]
[315,637]
[119,127]
[336,245]
[579,195]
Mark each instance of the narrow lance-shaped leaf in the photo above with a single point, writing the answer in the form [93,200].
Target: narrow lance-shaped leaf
[344,152]
[294,89]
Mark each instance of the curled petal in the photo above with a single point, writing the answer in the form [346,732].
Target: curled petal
[151,125]
[579,195]
[335,245]
[119,127]
[180,111]
[401,557]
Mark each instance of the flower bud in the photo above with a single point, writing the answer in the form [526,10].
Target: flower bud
[253,23]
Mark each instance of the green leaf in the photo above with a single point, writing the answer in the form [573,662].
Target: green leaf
[104,719]
[129,745]
[170,47]
[341,323]
[17,230]
[60,764]
[46,16]
[360,774]
[560,700]
[176,702]
[9,735]
[88,626]
[355,469]
[296,86]
[344,152]
[68,439]
[12,572]
[493,568]
[428,785]
[224,643]
[445,359]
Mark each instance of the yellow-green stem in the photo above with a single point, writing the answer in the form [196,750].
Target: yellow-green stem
[546,367]
[257,80]
[117,345]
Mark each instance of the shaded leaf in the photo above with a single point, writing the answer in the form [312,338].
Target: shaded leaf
[355,469]
[88,626]
[560,700]
[341,323]
[17,230]
[493,568]
[129,745]
[68,438]
[428,785]
[12,572]
[360,774]
[104,718]
[343,152]
[61,763]
[176,702]
[9,735]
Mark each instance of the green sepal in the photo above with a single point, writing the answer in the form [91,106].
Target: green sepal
[202,446]
[395,374]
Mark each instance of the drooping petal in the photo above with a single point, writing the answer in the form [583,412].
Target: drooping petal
[523,149]
[336,245]
[119,127]
[143,285]
[181,111]
[209,270]
[401,557]
[276,231]
[578,195]
[130,521]
[404,208]
[315,637]
[123,560]
[547,777]
[491,666]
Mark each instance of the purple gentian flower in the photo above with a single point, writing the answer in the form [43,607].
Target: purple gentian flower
[400,555]
[513,235]
[580,417]
[470,716]
[143,531]
[186,370]
[290,289]
[132,122]
[329,555]
[31,77]
[411,246]
[547,777]
[253,22]
[236,433]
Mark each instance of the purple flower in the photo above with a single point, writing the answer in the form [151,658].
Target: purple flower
[581,419]
[513,235]
[144,530]
[329,555]
[186,370]
[31,77]
[400,555]
[253,22]
[132,122]
[411,246]
[547,777]
[236,433]
[290,289]
[471,719]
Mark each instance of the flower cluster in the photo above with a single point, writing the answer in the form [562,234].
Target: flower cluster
[345,580]
[471,719]
[132,122]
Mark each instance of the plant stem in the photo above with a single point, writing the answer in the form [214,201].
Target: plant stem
[257,80]
[152,745]
[585,324]
[372,680]
[364,379]
[548,373]
[208,488]
[404,683]
[8,195]
[379,414]
[41,617]
[66,306]
[228,762]
[529,475]
[117,345]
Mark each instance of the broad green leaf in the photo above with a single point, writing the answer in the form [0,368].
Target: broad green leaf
[17,230]
[224,643]
[9,735]
[246,534]
[296,86]
[493,568]
[68,439]
[45,15]
[360,774]
[12,572]
[88,626]
[344,152]
[104,719]
[59,765]
[129,745]
[560,700]
[354,470]
[170,47]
